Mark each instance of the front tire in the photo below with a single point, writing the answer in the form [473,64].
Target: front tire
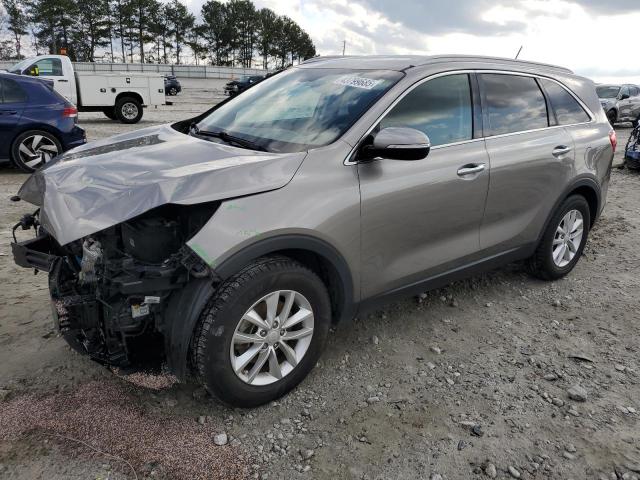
[563,240]
[612,116]
[33,149]
[128,110]
[173,91]
[262,332]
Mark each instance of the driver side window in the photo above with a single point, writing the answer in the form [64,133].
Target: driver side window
[51,67]
[441,108]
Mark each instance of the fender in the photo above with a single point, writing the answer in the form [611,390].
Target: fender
[584,180]
[304,243]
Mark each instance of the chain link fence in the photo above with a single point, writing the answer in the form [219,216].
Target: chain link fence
[184,71]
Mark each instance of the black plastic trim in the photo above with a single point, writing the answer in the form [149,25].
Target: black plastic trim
[445,278]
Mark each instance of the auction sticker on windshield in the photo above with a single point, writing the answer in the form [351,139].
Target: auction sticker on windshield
[357,82]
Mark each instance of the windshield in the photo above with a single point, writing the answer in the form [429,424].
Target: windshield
[610,91]
[301,108]
[20,66]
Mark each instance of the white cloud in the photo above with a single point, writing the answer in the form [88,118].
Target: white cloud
[551,31]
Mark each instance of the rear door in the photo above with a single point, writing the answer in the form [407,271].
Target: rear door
[421,218]
[12,103]
[532,159]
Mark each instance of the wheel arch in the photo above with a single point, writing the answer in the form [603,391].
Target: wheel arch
[316,254]
[586,186]
[134,95]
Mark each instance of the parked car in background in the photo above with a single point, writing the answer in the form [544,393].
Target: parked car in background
[235,87]
[621,103]
[120,96]
[36,122]
[318,194]
[172,85]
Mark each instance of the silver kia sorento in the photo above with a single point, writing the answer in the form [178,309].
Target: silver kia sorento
[228,244]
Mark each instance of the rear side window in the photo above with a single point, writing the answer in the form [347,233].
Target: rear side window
[635,91]
[513,104]
[11,91]
[441,108]
[568,110]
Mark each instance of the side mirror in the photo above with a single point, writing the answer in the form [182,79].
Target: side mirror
[33,70]
[624,96]
[398,143]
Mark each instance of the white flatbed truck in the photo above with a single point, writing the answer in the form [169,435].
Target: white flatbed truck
[119,95]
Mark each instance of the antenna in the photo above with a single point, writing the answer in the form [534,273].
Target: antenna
[518,54]
[344,46]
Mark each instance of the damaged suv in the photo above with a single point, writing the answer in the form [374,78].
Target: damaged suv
[228,244]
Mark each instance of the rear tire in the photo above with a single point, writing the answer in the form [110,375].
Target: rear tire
[636,122]
[544,263]
[128,110]
[173,91]
[33,149]
[215,348]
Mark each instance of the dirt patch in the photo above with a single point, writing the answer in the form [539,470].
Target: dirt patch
[105,420]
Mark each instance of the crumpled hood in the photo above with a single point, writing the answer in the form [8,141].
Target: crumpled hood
[104,183]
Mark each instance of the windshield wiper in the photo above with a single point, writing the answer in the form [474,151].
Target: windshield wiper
[228,138]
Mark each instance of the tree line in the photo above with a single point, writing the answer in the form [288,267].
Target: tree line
[233,33]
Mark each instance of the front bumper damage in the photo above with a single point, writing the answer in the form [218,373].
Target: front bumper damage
[107,303]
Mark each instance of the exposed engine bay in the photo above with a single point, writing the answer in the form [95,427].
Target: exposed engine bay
[110,290]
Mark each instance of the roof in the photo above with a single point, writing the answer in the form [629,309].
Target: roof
[403,62]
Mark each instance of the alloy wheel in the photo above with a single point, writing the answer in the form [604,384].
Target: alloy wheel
[568,238]
[130,110]
[36,150]
[272,337]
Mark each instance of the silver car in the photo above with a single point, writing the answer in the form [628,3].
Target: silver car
[621,103]
[228,244]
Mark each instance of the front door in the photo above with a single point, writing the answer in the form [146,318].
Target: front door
[422,217]
[51,68]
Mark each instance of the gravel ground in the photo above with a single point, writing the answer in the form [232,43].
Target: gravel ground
[499,376]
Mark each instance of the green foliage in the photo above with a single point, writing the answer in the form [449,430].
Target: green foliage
[17,23]
[230,33]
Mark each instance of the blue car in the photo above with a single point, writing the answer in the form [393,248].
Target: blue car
[36,123]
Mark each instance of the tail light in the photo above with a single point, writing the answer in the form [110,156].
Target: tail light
[70,112]
[613,138]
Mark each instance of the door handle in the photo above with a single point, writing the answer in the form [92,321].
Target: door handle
[8,112]
[561,150]
[470,169]
[63,80]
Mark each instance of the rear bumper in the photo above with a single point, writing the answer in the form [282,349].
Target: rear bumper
[74,138]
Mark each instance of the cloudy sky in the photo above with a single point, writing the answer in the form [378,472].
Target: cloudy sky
[593,37]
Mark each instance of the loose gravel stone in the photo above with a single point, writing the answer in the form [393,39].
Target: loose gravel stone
[220,439]
[513,472]
[577,393]
[490,470]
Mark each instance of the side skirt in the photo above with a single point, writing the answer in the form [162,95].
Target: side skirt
[445,278]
